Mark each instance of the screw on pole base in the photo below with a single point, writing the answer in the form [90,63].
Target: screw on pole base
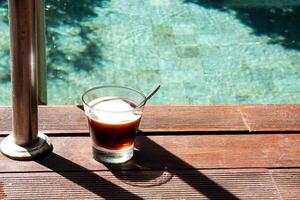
[10,149]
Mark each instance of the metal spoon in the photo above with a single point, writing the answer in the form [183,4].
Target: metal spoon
[148,97]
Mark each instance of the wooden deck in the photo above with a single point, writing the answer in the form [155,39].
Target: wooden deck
[182,152]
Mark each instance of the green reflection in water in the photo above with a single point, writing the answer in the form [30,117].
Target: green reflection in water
[200,52]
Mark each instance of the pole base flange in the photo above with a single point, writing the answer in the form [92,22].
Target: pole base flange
[10,149]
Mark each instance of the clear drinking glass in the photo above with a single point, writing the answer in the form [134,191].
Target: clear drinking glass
[113,118]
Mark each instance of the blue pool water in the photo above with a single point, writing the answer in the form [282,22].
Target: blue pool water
[200,51]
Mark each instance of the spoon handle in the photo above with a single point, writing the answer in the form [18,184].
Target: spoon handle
[149,96]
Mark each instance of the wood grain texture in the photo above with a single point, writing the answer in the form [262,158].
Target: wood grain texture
[192,118]
[165,166]
[57,119]
[288,182]
[173,152]
[71,119]
[2,193]
[187,184]
[272,117]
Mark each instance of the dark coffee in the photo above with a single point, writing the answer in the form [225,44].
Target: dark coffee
[112,125]
[113,136]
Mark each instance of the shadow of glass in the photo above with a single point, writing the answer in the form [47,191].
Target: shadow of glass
[280,23]
[156,160]
[88,180]
[143,174]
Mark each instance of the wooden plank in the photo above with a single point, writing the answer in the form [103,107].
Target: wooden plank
[288,182]
[192,118]
[272,117]
[173,152]
[2,193]
[71,119]
[60,119]
[182,184]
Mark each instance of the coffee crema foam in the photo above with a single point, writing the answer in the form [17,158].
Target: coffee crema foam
[113,110]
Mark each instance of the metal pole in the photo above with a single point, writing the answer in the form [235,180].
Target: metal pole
[41,52]
[25,142]
[23,71]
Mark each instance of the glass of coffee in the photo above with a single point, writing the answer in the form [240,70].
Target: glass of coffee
[113,116]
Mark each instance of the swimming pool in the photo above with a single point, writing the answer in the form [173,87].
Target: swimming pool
[200,52]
